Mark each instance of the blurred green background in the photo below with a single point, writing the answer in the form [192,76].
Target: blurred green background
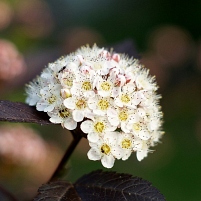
[167,36]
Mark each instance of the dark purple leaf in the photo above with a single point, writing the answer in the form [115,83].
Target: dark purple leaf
[21,112]
[111,186]
[57,191]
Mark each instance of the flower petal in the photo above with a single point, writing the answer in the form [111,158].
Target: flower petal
[40,106]
[118,102]
[127,154]
[141,154]
[104,93]
[113,117]
[93,137]
[117,152]
[87,126]
[78,115]
[94,154]
[49,108]
[56,120]
[70,124]
[133,118]
[108,161]
[124,127]
[92,103]
[144,135]
[69,103]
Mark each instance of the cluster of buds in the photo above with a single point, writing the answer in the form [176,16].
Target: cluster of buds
[113,97]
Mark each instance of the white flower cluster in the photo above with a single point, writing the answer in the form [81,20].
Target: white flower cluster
[112,96]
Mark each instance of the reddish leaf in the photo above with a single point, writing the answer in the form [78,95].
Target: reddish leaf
[57,191]
[21,112]
[99,185]
[112,186]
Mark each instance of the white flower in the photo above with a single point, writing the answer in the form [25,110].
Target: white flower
[155,137]
[140,130]
[144,81]
[154,124]
[50,98]
[141,148]
[48,76]
[126,142]
[58,65]
[125,99]
[100,105]
[98,127]
[83,85]
[33,92]
[128,96]
[104,149]
[120,116]
[112,96]
[66,79]
[69,62]
[106,87]
[79,107]
[98,59]
[63,116]
[149,99]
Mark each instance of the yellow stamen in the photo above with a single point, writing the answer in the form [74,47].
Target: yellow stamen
[68,82]
[126,143]
[105,86]
[136,127]
[123,116]
[86,86]
[64,113]
[103,104]
[99,127]
[80,104]
[105,149]
[125,98]
[52,99]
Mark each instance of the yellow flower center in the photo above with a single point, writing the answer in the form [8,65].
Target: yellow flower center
[136,127]
[123,116]
[68,82]
[52,99]
[86,86]
[126,143]
[125,98]
[103,104]
[105,149]
[80,104]
[64,113]
[99,127]
[105,86]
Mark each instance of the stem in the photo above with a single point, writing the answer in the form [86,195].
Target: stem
[61,167]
